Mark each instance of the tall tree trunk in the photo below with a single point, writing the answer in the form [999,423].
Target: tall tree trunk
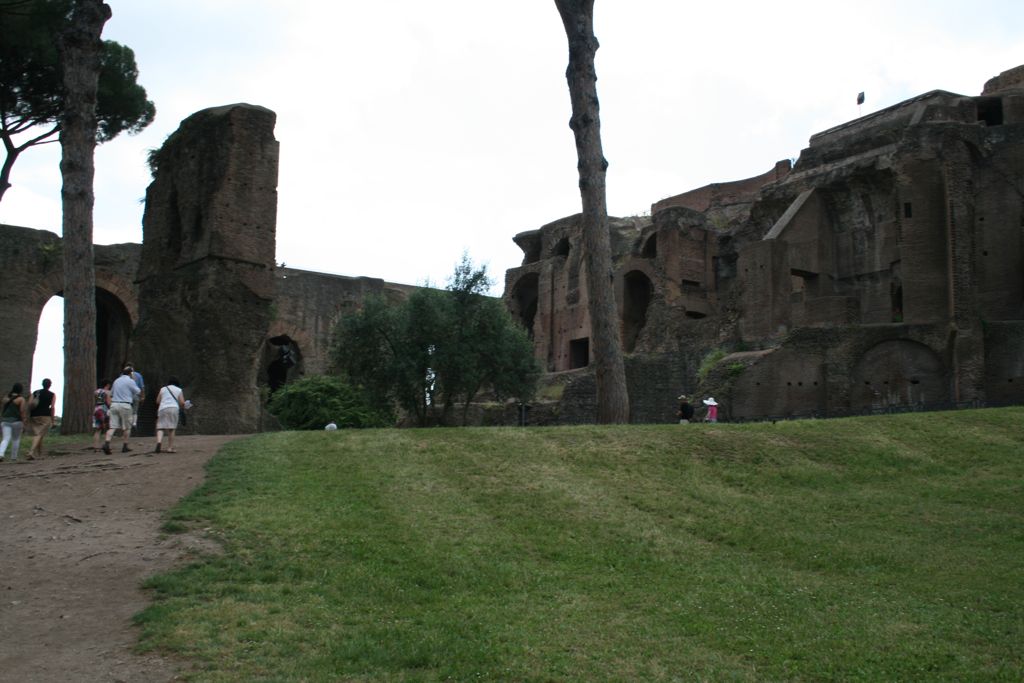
[80,48]
[612,396]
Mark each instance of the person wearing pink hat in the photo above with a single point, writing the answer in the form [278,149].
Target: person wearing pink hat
[712,405]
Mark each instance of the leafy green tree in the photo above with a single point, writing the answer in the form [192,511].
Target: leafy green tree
[32,93]
[483,347]
[437,349]
[312,402]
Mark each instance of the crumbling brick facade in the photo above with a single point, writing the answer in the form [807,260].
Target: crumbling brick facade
[883,269]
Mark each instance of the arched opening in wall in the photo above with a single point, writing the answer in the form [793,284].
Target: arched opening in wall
[113,329]
[48,359]
[282,360]
[524,301]
[637,294]
[898,373]
[562,248]
[650,249]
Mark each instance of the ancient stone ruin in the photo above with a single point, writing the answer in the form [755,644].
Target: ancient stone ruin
[202,298]
[884,269]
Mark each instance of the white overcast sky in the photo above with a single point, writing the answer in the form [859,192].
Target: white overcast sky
[413,131]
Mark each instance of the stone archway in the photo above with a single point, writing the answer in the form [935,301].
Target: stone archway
[116,313]
[898,372]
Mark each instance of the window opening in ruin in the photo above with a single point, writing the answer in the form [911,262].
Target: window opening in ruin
[650,249]
[803,282]
[990,110]
[696,315]
[637,294]
[689,284]
[908,210]
[524,301]
[579,353]
[562,248]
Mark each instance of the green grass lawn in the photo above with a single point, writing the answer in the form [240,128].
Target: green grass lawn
[864,549]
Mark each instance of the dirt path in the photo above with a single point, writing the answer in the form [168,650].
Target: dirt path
[79,532]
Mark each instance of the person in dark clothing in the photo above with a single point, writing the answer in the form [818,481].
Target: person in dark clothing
[13,415]
[685,412]
[40,417]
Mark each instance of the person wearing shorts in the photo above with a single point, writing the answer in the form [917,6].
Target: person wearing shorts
[170,400]
[123,393]
[40,417]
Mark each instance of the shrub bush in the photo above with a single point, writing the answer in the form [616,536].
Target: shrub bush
[312,402]
[709,361]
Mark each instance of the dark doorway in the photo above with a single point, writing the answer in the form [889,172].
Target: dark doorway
[579,353]
[637,294]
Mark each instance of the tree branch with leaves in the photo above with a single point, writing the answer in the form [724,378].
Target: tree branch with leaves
[32,95]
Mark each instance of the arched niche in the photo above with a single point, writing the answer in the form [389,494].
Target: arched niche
[650,248]
[523,301]
[898,372]
[562,248]
[637,293]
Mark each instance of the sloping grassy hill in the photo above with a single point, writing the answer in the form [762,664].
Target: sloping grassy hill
[874,549]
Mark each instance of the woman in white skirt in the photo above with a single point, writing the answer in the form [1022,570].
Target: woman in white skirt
[169,403]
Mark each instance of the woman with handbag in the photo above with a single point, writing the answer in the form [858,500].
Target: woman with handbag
[170,401]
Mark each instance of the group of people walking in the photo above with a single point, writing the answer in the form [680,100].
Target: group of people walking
[116,408]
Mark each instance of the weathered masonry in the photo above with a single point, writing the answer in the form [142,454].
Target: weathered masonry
[201,298]
[885,268]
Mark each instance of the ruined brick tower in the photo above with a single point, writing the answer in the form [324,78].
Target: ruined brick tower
[206,278]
